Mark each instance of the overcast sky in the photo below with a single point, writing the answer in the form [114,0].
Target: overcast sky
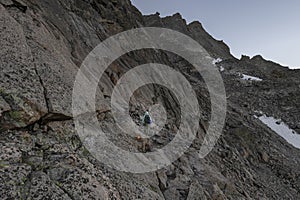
[270,28]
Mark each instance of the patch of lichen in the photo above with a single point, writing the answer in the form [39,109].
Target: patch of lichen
[85,152]
[15,115]
[2,90]
[278,74]
[3,165]
[246,136]
[16,118]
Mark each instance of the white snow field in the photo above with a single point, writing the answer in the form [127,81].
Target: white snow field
[282,129]
[250,78]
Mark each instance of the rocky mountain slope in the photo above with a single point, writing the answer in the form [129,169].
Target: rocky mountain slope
[43,44]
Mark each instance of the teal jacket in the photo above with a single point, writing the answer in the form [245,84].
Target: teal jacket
[143,118]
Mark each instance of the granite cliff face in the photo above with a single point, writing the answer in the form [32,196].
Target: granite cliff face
[43,44]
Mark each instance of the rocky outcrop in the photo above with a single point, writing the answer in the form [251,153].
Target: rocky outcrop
[276,95]
[41,156]
[217,49]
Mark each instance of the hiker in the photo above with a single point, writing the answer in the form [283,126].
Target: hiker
[145,142]
[147,120]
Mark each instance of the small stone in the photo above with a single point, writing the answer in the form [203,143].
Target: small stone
[36,127]
[162,177]
[3,106]
[265,157]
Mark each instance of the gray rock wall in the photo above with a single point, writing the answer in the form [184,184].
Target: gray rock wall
[41,157]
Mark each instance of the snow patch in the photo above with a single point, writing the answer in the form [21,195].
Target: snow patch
[250,78]
[222,69]
[217,60]
[281,129]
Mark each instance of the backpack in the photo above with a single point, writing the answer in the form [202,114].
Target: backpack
[147,119]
